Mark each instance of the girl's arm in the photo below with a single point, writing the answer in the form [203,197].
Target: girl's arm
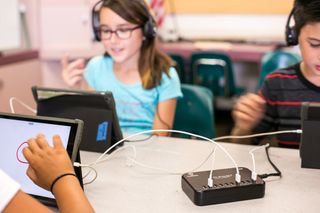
[164,116]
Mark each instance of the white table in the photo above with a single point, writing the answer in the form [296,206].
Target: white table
[121,188]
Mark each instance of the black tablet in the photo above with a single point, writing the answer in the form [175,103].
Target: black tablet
[17,129]
[97,109]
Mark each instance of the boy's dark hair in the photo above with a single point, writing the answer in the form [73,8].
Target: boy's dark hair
[305,12]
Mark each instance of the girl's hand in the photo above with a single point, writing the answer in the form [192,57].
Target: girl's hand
[72,72]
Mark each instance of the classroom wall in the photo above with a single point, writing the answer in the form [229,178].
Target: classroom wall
[64,26]
[10,25]
[261,21]
[229,6]
[202,19]
[32,9]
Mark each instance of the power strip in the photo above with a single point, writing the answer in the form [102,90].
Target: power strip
[224,189]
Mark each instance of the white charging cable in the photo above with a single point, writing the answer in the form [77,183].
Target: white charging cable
[90,166]
[20,102]
[298,131]
[100,158]
[210,179]
[253,173]
[118,150]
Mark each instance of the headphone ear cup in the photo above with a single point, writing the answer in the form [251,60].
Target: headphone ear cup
[291,32]
[95,25]
[291,36]
[95,22]
[149,29]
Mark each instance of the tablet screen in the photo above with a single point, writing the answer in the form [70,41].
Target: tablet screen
[16,130]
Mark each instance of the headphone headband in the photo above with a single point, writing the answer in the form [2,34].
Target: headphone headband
[149,28]
[95,21]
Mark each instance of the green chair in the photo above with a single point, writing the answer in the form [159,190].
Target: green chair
[194,112]
[214,70]
[179,65]
[275,60]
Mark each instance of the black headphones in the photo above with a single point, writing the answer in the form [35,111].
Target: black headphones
[291,32]
[149,28]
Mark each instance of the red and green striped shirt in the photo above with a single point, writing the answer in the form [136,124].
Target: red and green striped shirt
[284,91]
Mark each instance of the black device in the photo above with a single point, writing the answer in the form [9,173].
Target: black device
[149,28]
[97,110]
[310,144]
[17,129]
[291,33]
[225,188]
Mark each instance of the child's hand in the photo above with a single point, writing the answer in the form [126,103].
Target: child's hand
[248,111]
[46,163]
[72,72]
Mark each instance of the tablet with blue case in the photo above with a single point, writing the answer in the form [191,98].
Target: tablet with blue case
[96,108]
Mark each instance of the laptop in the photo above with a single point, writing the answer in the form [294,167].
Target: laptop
[17,129]
[97,110]
[310,144]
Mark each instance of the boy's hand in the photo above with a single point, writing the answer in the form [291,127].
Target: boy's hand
[248,111]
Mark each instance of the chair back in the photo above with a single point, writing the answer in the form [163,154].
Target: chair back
[179,65]
[275,60]
[213,70]
[194,112]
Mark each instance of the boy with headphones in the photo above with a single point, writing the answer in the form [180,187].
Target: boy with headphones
[277,106]
[143,83]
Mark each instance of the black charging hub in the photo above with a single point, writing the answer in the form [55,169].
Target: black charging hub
[224,189]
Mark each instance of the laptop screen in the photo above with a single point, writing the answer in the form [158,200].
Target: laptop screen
[17,129]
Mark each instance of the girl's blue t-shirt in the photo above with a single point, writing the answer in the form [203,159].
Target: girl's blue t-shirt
[136,106]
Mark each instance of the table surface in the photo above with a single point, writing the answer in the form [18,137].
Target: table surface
[120,187]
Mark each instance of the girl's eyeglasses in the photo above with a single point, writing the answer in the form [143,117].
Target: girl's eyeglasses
[122,33]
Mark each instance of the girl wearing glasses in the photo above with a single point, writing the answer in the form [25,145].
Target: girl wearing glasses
[143,83]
